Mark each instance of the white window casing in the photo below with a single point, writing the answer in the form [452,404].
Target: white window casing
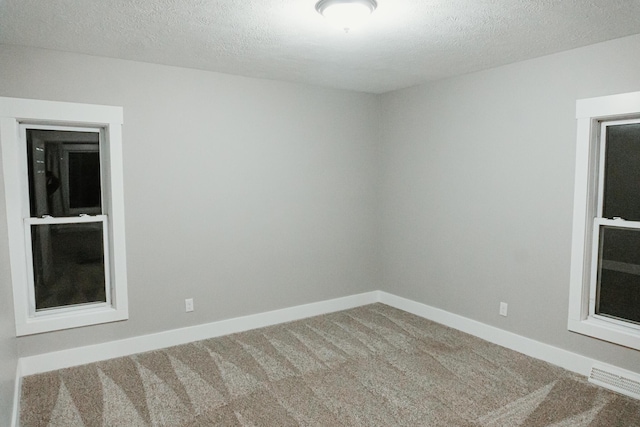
[14,114]
[591,114]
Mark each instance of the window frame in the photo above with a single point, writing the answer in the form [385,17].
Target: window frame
[14,113]
[591,115]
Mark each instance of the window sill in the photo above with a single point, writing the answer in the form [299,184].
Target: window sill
[607,331]
[70,319]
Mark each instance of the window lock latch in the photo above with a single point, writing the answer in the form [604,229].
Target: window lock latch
[617,218]
[46,216]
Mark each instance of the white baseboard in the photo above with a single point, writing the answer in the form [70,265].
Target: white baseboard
[94,353]
[554,355]
[15,416]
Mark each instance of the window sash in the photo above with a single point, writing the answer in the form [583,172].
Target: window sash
[602,139]
[28,222]
[598,223]
[24,161]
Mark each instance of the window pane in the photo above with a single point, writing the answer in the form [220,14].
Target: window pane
[622,172]
[619,273]
[64,172]
[68,264]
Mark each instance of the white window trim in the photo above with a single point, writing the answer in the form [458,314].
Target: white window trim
[589,114]
[13,112]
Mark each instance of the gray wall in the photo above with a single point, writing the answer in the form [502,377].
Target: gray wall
[8,349]
[477,190]
[246,195]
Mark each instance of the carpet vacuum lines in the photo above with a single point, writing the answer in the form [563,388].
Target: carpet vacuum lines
[368,366]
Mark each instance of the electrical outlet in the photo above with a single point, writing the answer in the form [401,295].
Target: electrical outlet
[503,309]
[188,305]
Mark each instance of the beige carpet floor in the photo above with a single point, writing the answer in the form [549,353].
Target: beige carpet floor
[369,366]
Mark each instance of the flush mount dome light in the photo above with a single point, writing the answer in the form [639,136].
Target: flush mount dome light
[346,13]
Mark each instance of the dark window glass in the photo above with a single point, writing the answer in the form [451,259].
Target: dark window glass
[619,273]
[68,264]
[84,179]
[622,172]
[64,172]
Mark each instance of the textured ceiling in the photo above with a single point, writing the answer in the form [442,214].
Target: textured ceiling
[405,42]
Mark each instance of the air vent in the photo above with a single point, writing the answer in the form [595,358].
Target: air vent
[618,380]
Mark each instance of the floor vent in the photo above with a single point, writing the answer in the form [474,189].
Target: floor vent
[618,380]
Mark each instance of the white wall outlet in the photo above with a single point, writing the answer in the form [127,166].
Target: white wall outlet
[503,309]
[188,305]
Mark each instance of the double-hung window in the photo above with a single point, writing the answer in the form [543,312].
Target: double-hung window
[62,166]
[605,274]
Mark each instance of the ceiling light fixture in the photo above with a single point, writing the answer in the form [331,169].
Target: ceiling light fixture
[346,13]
